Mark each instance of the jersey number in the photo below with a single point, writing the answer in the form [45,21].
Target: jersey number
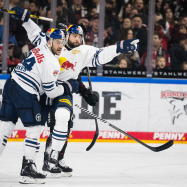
[29,62]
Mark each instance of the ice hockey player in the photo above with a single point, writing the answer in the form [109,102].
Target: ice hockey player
[72,62]
[74,38]
[37,74]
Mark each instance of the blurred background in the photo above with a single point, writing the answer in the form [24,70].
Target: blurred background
[160,25]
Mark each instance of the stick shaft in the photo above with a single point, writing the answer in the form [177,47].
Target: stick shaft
[31,16]
[96,123]
[155,149]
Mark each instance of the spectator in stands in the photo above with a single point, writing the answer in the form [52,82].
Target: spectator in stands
[140,32]
[46,6]
[65,15]
[15,54]
[78,9]
[133,12]
[126,23]
[168,15]
[183,20]
[114,6]
[179,9]
[124,63]
[112,25]
[157,51]
[184,65]
[92,13]
[91,37]
[13,3]
[124,11]
[84,22]
[176,34]
[64,3]
[93,4]
[178,52]
[164,29]
[165,5]
[161,63]
[34,8]
[26,4]
[1,3]
[158,8]
[140,6]
[127,34]
[12,38]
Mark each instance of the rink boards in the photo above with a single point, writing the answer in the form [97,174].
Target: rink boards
[152,110]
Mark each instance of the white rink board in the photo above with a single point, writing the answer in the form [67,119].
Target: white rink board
[142,107]
[137,106]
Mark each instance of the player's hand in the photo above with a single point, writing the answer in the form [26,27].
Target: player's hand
[89,97]
[21,14]
[71,86]
[127,45]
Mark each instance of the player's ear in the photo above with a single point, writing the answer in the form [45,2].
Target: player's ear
[49,43]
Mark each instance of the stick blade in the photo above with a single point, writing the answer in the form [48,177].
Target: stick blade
[163,147]
[93,142]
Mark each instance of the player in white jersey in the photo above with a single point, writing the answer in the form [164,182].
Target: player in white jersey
[72,62]
[74,39]
[36,74]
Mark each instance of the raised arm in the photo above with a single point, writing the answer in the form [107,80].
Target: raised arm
[97,56]
[35,35]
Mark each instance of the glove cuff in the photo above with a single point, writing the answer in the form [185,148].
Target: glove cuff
[24,14]
[69,85]
[82,88]
[122,47]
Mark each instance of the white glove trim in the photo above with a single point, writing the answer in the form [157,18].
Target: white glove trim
[70,87]
[24,14]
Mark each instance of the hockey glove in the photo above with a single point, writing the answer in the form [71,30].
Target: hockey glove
[89,97]
[21,14]
[127,45]
[71,86]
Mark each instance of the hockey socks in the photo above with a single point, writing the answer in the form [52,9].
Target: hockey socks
[6,128]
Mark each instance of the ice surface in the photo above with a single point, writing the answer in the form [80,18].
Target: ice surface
[105,165]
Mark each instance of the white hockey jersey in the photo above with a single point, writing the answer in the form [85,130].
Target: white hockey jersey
[73,61]
[38,73]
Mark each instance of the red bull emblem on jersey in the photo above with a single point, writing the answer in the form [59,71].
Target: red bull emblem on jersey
[55,73]
[65,64]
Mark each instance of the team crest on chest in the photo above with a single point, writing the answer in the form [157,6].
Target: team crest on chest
[55,73]
[66,65]
[74,51]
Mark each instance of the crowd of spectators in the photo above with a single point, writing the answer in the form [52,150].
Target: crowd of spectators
[124,19]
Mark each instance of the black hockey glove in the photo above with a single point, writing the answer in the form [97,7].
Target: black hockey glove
[71,86]
[21,14]
[89,97]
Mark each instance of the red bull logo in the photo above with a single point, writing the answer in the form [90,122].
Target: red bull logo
[55,73]
[65,64]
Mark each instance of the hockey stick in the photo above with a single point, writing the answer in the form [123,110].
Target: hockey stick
[96,124]
[32,16]
[155,149]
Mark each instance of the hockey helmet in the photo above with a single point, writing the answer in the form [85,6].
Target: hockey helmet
[75,29]
[55,34]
